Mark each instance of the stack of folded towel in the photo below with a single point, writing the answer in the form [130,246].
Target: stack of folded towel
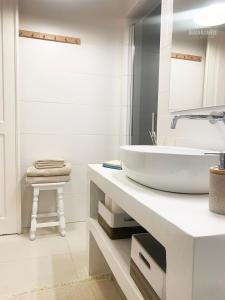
[48,171]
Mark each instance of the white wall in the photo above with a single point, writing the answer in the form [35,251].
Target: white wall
[215,70]
[187,77]
[190,133]
[72,98]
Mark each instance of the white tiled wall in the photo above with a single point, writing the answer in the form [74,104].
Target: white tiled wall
[189,133]
[72,98]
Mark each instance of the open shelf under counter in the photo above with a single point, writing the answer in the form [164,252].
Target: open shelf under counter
[117,255]
[194,238]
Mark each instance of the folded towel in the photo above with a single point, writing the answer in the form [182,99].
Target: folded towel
[64,171]
[49,163]
[48,159]
[49,166]
[51,179]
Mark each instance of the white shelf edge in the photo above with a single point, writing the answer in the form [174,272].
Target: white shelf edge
[117,255]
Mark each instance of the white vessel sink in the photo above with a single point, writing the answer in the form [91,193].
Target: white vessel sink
[172,169]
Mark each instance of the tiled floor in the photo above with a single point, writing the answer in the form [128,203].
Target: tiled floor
[50,261]
[101,289]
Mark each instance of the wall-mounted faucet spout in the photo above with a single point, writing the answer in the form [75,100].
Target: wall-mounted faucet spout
[213,118]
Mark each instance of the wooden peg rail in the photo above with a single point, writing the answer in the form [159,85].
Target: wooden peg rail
[186,57]
[49,37]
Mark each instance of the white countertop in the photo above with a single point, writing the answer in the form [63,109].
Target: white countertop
[189,213]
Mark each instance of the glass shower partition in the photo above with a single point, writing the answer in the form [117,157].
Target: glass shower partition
[146,78]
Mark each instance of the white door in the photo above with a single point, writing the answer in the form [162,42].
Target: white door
[9,210]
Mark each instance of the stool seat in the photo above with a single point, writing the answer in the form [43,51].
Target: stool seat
[61,223]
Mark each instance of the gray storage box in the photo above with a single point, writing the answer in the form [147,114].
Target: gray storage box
[117,225]
[148,266]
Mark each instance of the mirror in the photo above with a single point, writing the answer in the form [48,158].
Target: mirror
[198,55]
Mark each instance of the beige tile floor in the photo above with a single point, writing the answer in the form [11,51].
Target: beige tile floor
[99,289]
[49,262]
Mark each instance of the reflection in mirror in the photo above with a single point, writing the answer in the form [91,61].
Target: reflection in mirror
[198,55]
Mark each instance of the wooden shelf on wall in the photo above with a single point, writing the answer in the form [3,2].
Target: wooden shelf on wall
[186,57]
[49,37]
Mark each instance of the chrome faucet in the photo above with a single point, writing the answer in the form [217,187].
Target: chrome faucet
[213,118]
[152,132]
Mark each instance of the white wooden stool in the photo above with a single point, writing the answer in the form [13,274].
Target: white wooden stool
[59,187]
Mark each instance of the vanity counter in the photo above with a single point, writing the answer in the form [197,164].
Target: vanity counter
[193,236]
[189,213]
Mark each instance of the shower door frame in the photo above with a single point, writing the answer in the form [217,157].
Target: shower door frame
[131,56]
[10,200]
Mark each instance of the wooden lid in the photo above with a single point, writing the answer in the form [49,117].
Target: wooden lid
[217,171]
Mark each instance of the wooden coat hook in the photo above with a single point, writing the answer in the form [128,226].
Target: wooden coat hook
[49,37]
[186,57]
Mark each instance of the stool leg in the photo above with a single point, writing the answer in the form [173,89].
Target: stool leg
[33,227]
[60,210]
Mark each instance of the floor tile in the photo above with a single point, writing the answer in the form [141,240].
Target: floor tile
[41,269]
[90,290]
[26,275]
[44,245]
[77,238]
